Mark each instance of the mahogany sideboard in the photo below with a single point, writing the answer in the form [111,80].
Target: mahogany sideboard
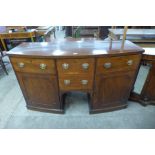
[105,70]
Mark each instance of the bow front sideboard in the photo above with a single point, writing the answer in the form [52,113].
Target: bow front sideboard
[104,70]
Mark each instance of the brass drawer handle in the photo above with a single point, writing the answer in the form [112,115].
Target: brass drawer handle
[130,62]
[43,66]
[67,82]
[84,82]
[107,65]
[65,66]
[21,65]
[85,66]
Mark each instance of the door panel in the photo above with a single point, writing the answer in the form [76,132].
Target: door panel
[41,90]
[112,89]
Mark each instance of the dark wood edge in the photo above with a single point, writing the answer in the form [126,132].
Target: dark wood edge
[134,97]
[91,95]
[108,109]
[41,109]
[137,98]
[77,56]
[63,91]
[57,79]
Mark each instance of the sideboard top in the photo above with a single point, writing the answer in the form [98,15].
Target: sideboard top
[75,47]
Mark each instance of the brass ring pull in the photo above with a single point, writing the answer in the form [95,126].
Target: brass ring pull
[21,65]
[84,82]
[130,62]
[67,82]
[43,66]
[107,65]
[85,66]
[65,66]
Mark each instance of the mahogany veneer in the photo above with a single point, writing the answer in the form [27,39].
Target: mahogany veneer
[47,71]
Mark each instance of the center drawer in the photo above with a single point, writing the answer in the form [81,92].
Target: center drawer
[75,66]
[31,65]
[75,82]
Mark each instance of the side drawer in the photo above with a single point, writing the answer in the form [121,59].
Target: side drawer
[119,63]
[32,65]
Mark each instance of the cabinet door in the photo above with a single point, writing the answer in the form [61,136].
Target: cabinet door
[112,90]
[40,90]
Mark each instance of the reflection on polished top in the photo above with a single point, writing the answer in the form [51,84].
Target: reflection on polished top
[75,47]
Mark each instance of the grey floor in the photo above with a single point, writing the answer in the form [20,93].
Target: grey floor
[13,112]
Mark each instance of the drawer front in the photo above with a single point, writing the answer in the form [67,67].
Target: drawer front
[75,66]
[75,83]
[31,65]
[121,63]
